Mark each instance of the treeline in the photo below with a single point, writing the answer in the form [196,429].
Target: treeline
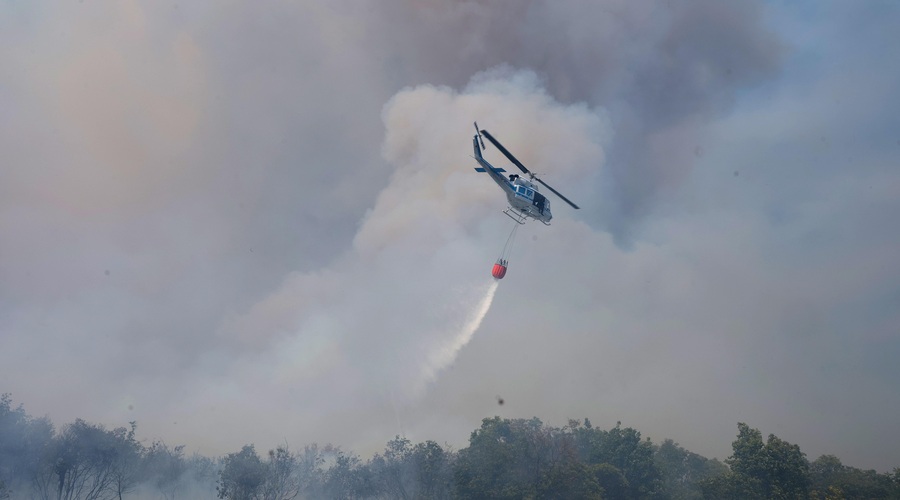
[505,458]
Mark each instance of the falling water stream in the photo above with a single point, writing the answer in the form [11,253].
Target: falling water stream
[446,353]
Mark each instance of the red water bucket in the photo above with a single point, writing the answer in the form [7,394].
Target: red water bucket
[499,270]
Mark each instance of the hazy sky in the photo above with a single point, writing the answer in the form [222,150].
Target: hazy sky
[238,223]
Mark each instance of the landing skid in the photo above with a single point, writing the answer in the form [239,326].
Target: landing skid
[519,218]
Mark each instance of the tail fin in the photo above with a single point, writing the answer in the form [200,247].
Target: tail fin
[476,140]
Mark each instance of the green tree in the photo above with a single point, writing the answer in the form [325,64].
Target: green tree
[522,459]
[787,470]
[165,468]
[395,469]
[749,453]
[486,468]
[730,486]
[243,475]
[611,480]
[24,446]
[572,479]
[434,473]
[127,468]
[775,469]
[832,479]
[682,471]
[349,478]
[626,451]
[82,461]
[309,471]
[13,423]
[282,478]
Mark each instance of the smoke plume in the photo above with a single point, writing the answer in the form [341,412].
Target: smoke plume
[395,310]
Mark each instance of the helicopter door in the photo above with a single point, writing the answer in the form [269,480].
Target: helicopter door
[539,201]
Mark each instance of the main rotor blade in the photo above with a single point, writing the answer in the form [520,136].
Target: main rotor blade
[505,152]
[563,198]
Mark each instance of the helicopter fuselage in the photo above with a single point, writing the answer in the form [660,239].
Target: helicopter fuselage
[524,199]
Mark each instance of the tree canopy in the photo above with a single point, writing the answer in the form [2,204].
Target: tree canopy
[505,458]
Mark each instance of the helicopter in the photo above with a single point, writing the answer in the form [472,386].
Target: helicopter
[525,202]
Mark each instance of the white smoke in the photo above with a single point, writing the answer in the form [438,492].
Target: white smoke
[396,310]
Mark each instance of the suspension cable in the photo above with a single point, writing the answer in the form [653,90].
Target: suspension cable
[507,248]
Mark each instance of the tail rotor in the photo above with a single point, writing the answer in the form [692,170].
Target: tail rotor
[478,134]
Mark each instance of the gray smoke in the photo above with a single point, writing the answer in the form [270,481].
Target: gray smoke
[255,224]
[661,70]
[426,245]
